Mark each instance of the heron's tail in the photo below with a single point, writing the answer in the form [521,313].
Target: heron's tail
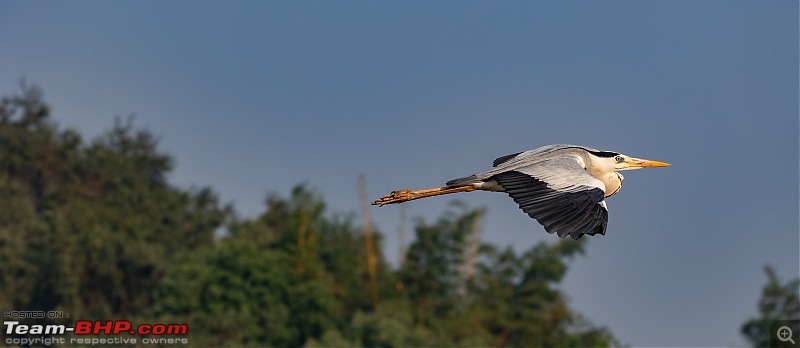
[467,180]
[401,196]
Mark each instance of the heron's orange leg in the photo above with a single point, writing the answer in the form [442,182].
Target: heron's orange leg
[401,196]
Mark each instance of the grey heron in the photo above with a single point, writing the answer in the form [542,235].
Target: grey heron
[562,186]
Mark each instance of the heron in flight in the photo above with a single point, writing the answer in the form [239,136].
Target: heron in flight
[562,186]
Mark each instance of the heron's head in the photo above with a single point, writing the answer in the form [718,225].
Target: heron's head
[622,162]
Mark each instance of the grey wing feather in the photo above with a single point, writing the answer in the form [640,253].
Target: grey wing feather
[531,155]
[559,194]
[510,162]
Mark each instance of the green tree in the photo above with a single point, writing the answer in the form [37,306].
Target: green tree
[778,301]
[519,305]
[34,159]
[431,274]
[511,300]
[300,278]
[20,233]
[238,293]
[335,245]
[90,228]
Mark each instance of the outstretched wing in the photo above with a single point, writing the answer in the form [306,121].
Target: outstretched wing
[560,194]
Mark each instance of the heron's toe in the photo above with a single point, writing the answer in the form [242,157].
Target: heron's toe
[394,197]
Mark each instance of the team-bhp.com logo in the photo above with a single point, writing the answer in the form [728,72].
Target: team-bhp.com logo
[21,334]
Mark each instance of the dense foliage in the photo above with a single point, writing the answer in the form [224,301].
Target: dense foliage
[93,228]
[778,301]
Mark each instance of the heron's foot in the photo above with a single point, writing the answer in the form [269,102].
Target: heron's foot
[398,196]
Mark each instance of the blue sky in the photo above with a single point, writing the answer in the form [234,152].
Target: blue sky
[256,97]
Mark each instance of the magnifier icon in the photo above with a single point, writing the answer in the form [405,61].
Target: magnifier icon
[785,334]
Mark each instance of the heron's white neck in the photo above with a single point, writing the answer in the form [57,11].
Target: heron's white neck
[604,169]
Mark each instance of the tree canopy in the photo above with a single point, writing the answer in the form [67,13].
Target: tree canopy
[779,301]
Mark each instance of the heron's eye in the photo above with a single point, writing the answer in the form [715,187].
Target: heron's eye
[619,159]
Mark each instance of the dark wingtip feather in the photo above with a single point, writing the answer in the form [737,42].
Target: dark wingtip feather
[502,159]
[559,214]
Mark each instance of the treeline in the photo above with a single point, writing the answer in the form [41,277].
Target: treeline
[94,229]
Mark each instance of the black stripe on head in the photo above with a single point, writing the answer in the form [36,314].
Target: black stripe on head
[607,154]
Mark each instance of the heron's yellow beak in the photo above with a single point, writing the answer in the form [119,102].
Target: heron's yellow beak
[643,163]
